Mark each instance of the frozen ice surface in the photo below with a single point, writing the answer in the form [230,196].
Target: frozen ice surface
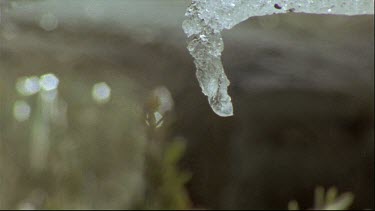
[207,18]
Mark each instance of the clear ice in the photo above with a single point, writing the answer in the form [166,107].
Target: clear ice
[207,18]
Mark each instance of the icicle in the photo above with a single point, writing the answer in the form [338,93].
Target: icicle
[207,18]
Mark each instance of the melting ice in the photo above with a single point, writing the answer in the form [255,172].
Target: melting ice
[207,18]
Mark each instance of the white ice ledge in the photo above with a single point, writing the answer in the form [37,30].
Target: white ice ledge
[207,18]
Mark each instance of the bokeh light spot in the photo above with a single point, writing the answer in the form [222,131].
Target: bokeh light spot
[101,92]
[27,86]
[21,111]
[49,82]
[48,22]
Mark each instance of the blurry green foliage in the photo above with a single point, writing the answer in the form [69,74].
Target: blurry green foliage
[165,187]
[76,153]
[327,200]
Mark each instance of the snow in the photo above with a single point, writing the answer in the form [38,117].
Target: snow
[207,18]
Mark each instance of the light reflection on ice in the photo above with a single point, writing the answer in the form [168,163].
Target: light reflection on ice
[158,119]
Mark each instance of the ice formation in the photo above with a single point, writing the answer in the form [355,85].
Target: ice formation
[207,18]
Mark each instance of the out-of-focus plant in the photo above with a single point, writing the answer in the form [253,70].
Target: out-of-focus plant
[82,145]
[165,182]
[327,200]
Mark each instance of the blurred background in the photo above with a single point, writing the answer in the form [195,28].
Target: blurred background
[100,108]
